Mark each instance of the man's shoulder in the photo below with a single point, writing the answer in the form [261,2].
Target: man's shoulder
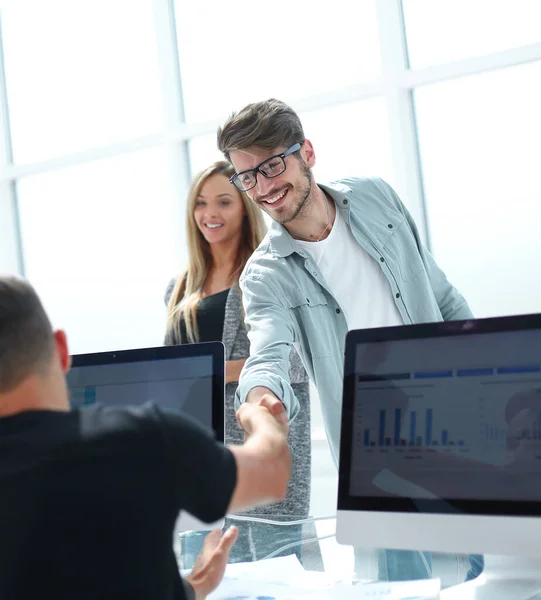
[263,260]
[374,187]
[369,196]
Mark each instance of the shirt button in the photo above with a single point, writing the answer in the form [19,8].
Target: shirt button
[337,311]
[397,294]
[344,201]
[390,226]
[382,259]
[314,273]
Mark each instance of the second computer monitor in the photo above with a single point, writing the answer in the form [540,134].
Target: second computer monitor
[188,379]
[441,437]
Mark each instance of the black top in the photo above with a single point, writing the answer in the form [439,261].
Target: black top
[210,318]
[89,500]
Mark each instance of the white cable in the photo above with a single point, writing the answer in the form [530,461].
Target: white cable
[428,569]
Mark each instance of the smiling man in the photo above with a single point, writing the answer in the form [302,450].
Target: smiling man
[341,256]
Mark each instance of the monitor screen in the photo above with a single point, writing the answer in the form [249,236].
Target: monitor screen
[188,379]
[443,418]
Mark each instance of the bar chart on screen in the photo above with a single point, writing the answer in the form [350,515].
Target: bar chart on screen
[454,411]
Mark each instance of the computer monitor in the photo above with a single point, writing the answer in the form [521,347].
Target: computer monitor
[187,378]
[440,444]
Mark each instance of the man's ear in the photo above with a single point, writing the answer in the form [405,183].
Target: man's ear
[61,342]
[308,153]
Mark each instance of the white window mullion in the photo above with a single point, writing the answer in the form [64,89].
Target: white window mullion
[399,101]
[11,257]
[178,157]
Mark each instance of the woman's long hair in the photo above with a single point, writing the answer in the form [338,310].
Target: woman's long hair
[188,289]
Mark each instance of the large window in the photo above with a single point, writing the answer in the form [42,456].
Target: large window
[441,31]
[79,74]
[479,139]
[233,53]
[98,245]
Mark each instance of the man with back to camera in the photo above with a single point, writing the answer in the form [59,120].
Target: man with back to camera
[89,498]
[341,256]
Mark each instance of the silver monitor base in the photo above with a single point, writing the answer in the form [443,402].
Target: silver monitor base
[503,578]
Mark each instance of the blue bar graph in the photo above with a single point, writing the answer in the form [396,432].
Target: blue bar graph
[413,420]
[367,437]
[397,413]
[428,432]
[400,431]
[381,436]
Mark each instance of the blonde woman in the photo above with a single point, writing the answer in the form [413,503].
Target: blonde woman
[204,304]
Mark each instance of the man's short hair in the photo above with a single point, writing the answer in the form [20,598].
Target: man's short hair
[26,334]
[267,125]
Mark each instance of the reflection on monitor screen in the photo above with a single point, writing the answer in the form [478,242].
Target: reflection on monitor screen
[179,384]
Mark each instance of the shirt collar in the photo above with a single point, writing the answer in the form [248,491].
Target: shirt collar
[280,241]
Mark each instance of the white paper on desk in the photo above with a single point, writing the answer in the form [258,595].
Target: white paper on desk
[282,578]
[270,570]
[237,590]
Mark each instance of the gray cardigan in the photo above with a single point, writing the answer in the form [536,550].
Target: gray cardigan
[237,346]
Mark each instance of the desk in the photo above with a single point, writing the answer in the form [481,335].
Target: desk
[313,541]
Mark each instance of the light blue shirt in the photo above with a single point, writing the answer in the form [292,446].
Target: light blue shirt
[287,300]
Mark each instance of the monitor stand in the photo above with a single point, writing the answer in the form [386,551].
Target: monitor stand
[503,578]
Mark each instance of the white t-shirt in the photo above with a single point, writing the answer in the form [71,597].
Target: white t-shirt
[354,278]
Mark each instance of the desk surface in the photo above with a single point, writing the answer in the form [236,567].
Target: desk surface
[313,540]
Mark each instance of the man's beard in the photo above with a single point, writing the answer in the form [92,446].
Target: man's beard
[304,191]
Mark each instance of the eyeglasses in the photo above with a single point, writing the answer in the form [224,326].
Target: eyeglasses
[272,167]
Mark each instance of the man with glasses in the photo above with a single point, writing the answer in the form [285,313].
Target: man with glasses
[340,256]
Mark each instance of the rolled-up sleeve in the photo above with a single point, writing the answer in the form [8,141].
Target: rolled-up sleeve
[271,336]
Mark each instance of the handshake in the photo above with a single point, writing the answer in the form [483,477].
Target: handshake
[262,410]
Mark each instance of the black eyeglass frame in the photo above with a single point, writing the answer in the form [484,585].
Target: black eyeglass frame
[234,178]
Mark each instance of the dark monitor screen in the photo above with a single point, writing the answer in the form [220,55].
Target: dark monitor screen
[187,378]
[443,417]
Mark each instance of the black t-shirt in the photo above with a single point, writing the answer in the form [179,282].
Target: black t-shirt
[89,500]
[210,318]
